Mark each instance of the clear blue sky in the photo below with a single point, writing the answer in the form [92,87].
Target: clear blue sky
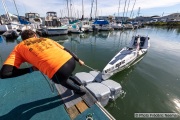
[104,7]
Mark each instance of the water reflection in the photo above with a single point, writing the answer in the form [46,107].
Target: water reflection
[60,39]
[146,82]
[177,104]
[168,29]
[104,34]
[7,40]
[75,38]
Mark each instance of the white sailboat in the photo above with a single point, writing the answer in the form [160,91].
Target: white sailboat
[85,25]
[127,56]
[9,23]
[74,28]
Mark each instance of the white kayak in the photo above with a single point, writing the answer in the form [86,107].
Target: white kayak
[127,56]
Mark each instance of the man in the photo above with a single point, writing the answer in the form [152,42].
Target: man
[45,55]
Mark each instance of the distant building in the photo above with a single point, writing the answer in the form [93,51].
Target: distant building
[143,19]
[103,17]
[120,19]
[172,17]
[112,18]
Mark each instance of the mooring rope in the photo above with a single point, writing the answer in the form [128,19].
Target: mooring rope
[90,67]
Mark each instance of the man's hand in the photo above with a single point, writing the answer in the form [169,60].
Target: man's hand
[81,62]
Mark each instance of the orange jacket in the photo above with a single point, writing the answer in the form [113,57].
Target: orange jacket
[45,54]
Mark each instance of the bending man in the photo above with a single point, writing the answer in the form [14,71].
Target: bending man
[45,55]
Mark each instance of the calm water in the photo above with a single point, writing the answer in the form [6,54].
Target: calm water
[151,86]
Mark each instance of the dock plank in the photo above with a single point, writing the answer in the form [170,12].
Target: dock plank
[73,112]
[68,96]
[81,106]
[89,98]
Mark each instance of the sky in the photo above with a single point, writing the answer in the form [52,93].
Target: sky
[104,7]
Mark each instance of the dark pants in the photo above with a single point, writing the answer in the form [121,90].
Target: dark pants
[62,75]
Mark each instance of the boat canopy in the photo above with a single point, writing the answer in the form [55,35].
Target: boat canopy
[23,21]
[73,21]
[101,22]
[51,13]
[32,15]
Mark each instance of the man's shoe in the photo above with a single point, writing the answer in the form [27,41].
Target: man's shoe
[81,91]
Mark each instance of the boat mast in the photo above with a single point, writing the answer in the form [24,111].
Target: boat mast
[96,10]
[16,7]
[138,12]
[127,8]
[124,11]
[61,12]
[132,8]
[82,10]
[119,7]
[6,11]
[91,10]
[68,8]
[77,14]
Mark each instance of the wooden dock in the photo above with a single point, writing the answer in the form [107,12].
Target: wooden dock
[76,104]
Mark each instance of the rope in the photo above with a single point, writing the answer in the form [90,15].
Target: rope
[89,67]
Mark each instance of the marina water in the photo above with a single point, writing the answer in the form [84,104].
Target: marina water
[150,86]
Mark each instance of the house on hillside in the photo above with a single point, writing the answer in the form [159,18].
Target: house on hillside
[119,18]
[143,19]
[113,18]
[172,17]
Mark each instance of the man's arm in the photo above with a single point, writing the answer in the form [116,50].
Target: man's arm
[75,57]
[9,71]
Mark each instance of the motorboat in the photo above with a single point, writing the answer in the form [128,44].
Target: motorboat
[127,56]
[85,26]
[102,25]
[116,26]
[11,34]
[53,25]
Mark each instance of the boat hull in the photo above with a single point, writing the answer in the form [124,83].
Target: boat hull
[118,69]
[127,56]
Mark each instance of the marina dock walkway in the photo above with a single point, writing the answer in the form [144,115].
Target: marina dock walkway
[29,97]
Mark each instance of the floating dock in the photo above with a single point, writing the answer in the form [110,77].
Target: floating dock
[30,97]
[81,107]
